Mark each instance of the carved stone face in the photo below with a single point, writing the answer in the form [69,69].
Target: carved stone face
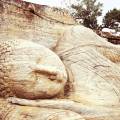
[34,71]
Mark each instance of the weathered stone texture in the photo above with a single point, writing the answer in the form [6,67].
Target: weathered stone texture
[87,77]
[32,22]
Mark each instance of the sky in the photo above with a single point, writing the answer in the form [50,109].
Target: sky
[107,4]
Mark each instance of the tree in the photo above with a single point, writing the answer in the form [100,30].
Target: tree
[111,18]
[88,11]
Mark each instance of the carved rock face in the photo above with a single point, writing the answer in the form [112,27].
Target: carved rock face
[32,71]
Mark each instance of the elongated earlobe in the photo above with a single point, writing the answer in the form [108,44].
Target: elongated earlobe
[51,71]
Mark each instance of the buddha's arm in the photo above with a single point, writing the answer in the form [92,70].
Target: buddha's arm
[85,110]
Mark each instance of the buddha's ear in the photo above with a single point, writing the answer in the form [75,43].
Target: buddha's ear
[52,72]
[45,69]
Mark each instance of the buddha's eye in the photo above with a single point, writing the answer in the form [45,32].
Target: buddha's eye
[53,77]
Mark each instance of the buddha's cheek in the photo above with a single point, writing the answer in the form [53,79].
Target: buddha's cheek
[49,87]
[42,88]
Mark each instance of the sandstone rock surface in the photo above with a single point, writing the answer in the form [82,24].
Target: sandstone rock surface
[83,85]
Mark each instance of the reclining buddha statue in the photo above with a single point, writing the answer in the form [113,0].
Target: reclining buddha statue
[52,68]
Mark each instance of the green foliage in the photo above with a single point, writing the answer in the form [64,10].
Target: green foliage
[88,11]
[111,17]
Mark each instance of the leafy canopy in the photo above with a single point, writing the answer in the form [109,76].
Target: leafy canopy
[88,11]
[111,17]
